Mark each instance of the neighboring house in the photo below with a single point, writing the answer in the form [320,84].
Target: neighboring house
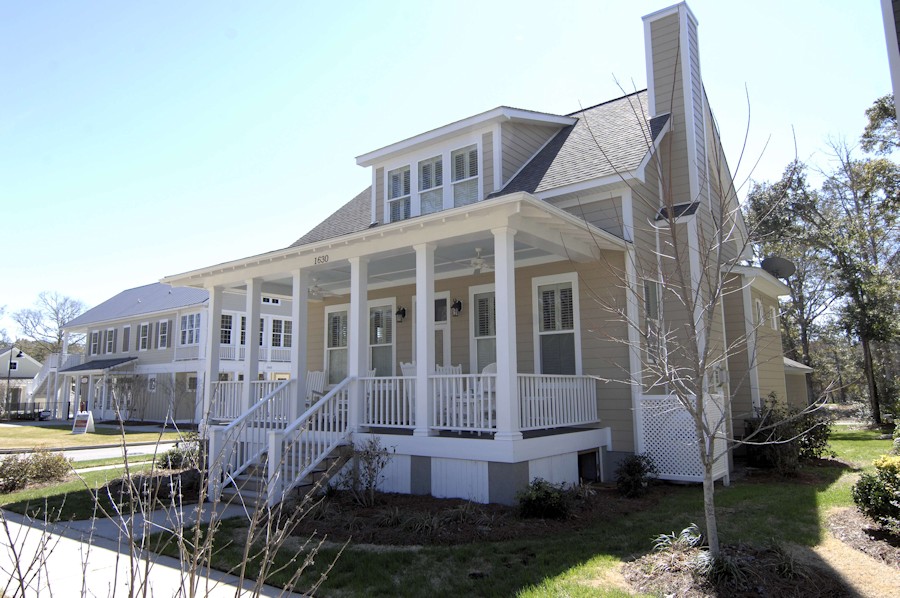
[17,372]
[145,349]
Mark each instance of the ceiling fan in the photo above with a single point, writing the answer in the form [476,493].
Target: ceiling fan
[479,264]
[318,292]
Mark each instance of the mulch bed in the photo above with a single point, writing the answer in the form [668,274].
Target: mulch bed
[404,520]
[855,529]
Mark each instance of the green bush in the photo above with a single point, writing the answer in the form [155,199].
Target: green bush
[786,437]
[878,496]
[38,467]
[543,500]
[634,475]
[181,457]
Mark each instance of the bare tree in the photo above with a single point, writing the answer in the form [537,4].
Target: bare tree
[45,320]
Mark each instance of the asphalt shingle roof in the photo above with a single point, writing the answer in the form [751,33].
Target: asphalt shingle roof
[99,364]
[615,135]
[608,138]
[147,299]
[352,217]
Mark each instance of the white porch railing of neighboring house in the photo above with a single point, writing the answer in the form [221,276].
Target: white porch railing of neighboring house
[295,452]
[667,433]
[235,447]
[226,403]
[549,401]
[390,402]
[187,352]
[269,354]
[464,402]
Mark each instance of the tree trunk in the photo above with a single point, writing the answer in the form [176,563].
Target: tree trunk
[869,369]
[709,511]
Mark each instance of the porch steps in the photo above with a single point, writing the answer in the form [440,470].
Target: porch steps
[250,487]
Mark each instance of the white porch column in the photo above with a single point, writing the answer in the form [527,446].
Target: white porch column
[358,328]
[251,357]
[507,366]
[424,336]
[299,319]
[90,396]
[211,363]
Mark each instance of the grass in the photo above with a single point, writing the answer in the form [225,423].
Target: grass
[755,510]
[59,436]
[72,499]
[132,460]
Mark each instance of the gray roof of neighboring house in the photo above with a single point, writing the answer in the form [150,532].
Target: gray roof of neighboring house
[352,217]
[614,135]
[99,364]
[147,299]
[608,138]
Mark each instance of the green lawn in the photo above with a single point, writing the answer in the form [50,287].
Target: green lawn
[755,510]
[26,437]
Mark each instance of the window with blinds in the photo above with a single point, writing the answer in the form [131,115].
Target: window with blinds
[336,346]
[381,340]
[431,181]
[398,193]
[557,328]
[465,175]
[485,314]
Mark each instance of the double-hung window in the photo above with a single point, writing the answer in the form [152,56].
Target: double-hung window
[162,336]
[485,315]
[110,341]
[556,328]
[465,175]
[126,338]
[431,181]
[95,343]
[144,337]
[336,345]
[398,193]
[652,316]
[225,325]
[281,333]
[190,329]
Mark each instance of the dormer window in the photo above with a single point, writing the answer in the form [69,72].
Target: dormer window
[398,193]
[465,176]
[431,181]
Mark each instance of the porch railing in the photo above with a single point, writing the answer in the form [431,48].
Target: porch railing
[226,404]
[464,402]
[233,448]
[187,352]
[550,401]
[390,402]
[297,450]
[271,354]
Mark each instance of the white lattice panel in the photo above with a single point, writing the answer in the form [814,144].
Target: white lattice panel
[669,437]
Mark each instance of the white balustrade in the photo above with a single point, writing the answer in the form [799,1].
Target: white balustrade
[551,401]
[226,403]
[465,402]
[390,401]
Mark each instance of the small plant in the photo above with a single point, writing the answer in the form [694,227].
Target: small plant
[366,471]
[690,537]
[878,496]
[719,570]
[38,467]
[634,475]
[544,500]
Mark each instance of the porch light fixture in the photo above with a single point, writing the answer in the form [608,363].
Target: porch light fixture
[401,314]
[456,307]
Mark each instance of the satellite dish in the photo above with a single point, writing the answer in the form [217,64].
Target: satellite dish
[778,266]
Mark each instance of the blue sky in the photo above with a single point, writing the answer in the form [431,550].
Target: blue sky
[144,139]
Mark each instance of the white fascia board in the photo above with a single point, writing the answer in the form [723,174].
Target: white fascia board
[499,114]
[763,281]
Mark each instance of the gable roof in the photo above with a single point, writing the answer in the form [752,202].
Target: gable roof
[151,298]
[609,138]
[352,217]
[624,133]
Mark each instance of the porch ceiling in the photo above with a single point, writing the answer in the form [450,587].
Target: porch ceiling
[544,234]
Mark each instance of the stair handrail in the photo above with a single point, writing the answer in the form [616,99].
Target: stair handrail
[321,428]
[223,441]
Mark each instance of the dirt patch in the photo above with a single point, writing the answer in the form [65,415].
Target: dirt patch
[858,531]
[754,572]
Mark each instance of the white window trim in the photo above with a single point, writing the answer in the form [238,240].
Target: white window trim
[477,290]
[444,150]
[234,332]
[141,337]
[759,317]
[369,305]
[198,328]
[536,283]
[110,336]
[159,335]
[126,338]
[773,318]
[94,335]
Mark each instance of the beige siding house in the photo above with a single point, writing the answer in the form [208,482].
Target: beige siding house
[488,306]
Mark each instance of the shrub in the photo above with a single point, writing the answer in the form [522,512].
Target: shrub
[181,457]
[38,467]
[634,475]
[366,471]
[544,500]
[786,437]
[878,496]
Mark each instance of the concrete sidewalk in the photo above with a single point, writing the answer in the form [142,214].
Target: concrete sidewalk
[92,558]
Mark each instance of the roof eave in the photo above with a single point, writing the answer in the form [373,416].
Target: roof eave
[763,281]
[499,114]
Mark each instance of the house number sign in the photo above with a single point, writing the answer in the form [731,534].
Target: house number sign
[320,259]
